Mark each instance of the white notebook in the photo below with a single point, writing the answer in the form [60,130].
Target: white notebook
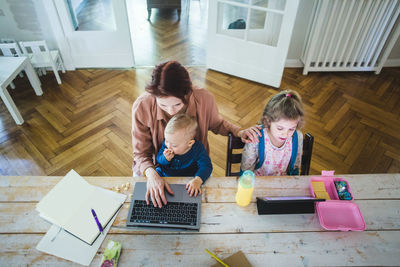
[69,205]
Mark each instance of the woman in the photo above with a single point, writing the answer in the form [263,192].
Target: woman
[171,92]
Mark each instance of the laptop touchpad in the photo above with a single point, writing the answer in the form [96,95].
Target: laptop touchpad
[179,190]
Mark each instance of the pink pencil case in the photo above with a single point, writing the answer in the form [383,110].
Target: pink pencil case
[336,214]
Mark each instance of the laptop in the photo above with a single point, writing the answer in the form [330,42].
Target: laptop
[181,212]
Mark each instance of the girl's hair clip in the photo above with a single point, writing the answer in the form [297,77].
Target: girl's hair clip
[288,95]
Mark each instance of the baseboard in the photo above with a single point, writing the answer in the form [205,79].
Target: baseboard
[395,62]
[293,63]
[297,63]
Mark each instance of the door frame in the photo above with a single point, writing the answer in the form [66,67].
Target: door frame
[58,33]
[61,38]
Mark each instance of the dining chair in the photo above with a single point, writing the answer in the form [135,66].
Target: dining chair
[7,40]
[234,155]
[308,143]
[10,49]
[41,57]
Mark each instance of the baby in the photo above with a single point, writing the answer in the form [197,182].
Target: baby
[182,155]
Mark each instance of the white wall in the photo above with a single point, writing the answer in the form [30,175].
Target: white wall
[25,21]
[395,54]
[300,29]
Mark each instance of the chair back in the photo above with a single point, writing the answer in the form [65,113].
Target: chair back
[10,50]
[236,158]
[233,157]
[7,40]
[308,143]
[34,47]
[37,48]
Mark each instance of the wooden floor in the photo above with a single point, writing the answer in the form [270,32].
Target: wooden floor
[165,37]
[85,123]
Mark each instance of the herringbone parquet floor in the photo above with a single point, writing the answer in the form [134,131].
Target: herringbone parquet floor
[165,37]
[85,123]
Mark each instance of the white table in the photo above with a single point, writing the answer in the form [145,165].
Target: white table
[9,69]
[266,240]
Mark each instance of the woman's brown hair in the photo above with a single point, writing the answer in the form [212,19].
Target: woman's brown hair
[284,105]
[170,79]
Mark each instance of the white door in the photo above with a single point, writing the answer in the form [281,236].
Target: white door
[97,32]
[250,38]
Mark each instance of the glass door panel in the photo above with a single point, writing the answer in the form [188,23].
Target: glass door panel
[232,20]
[241,1]
[270,4]
[91,15]
[264,27]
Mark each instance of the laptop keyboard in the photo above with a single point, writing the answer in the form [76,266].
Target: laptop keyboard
[173,213]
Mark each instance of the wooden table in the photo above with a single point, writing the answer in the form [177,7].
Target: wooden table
[9,69]
[267,240]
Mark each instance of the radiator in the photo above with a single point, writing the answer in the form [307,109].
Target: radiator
[351,35]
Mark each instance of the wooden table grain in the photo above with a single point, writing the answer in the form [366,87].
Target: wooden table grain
[267,240]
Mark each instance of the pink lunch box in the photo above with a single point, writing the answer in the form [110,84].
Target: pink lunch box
[336,214]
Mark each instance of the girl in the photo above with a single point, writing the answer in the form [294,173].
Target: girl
[282,117]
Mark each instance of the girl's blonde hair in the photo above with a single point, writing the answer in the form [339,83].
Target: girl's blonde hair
[182,122]
[286,104]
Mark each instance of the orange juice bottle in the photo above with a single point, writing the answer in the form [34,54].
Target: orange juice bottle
[245,188]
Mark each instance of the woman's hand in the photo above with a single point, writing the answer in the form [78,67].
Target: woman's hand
[155,188]
[251,134]
[193,187]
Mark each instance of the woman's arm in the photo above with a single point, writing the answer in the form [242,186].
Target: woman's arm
[143,148]
[143,151]
[216,123]
[219,125]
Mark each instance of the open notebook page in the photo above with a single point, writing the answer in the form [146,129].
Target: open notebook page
[69,205]
[86,228]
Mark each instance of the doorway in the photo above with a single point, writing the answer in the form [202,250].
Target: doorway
[91,40]
[166,37]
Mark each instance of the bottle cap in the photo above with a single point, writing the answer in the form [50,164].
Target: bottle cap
[247,179]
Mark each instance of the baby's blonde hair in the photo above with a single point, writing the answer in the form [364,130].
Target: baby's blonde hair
[286,104]
[182,122]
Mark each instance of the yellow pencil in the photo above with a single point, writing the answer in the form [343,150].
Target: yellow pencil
[215,257]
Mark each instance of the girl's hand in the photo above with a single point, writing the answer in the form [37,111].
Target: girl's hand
[193,187]
[168,154]
[251,134]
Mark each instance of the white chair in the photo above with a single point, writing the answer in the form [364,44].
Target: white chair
[7,40]
[10,50]
[42,57]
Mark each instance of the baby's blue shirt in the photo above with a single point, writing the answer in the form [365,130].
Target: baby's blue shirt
[195,162]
